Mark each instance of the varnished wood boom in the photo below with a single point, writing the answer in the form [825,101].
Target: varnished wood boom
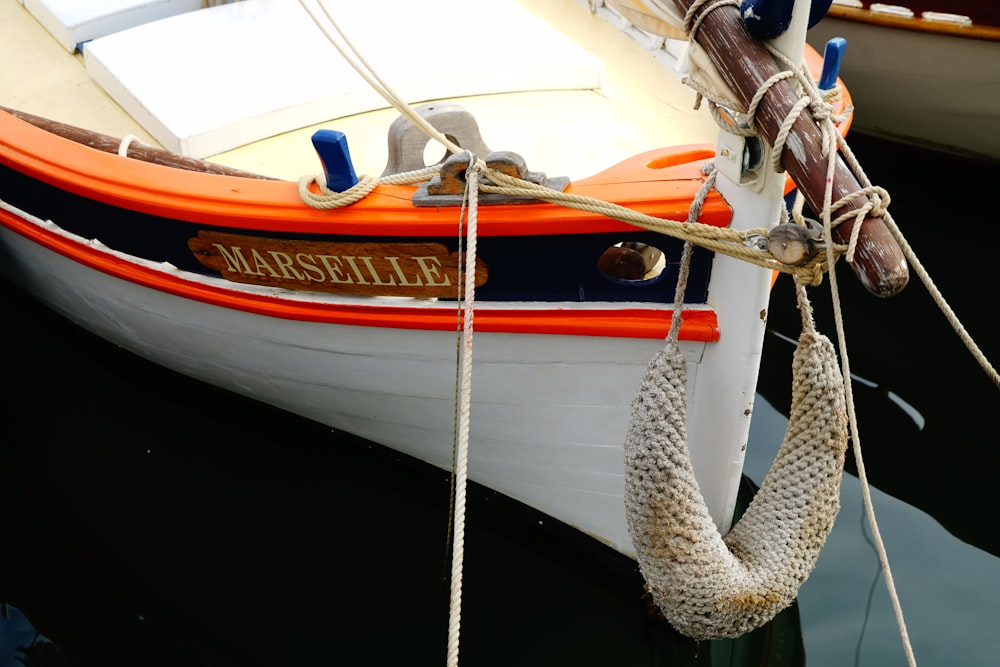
[879,261]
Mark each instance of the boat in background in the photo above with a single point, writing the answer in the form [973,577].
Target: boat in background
[922,72]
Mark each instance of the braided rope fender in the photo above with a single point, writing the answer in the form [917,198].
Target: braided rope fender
[707,586]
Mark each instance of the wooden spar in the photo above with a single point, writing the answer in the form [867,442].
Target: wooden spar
[109,144]
[878,260]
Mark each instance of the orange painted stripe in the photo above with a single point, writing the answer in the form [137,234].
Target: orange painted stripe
[661,182]
[698,325]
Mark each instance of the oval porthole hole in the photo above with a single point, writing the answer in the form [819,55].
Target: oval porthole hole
[632,263]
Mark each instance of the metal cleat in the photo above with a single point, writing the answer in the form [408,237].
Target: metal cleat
[448,187]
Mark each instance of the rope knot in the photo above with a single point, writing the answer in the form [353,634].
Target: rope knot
[821,109]
[880,201]
[812,274]
[876,206]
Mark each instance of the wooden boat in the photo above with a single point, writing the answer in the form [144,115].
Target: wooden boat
[351,316]
[922,72]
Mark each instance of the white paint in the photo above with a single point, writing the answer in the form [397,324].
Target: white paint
[74,21]
[549,412]
[937,91]
[209,81]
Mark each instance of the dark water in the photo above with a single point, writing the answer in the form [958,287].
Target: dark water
[151,520]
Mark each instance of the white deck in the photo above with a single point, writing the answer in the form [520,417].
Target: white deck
[208,81]
[74,21]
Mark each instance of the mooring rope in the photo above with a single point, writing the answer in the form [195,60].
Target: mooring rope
[707,585]
[331,199]
[853,422]
[922,273]
[465,399]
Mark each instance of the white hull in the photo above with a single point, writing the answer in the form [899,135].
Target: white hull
[548,414]
[933,90]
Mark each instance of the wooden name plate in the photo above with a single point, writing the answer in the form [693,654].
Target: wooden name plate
[369,268]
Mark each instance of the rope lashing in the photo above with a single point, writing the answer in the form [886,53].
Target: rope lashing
[729,242]
[313,191]
[706,585]
[691,25]
[723,240]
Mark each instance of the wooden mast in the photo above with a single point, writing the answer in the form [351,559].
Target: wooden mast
[878,259]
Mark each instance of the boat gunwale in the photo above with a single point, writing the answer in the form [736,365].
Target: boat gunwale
[618,320]
[916,23]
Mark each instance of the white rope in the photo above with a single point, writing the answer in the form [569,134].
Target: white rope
[465,395]
[921,272]
[126,141]
[852,415]
[812,98]
[877,200]
[330,199]
[326,198]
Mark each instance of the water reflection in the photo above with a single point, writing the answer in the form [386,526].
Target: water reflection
[924,410]
[947,588]
[923,403]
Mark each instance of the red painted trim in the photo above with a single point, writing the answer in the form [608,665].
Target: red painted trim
[660,182]
[698,325]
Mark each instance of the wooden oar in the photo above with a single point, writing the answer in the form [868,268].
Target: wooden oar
[878,261]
